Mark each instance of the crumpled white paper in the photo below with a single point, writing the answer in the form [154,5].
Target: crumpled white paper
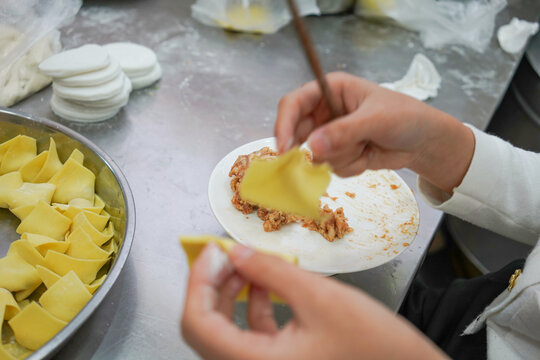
[422,80]
[513,36]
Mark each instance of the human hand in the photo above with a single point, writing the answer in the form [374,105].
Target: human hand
[332,321]
[380,129]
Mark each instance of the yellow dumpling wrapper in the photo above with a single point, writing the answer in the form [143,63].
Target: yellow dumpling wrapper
[30,170]
[77,156]
[73,181]
[66,297]
[44,243]
[8,183]
[111,247]
[289,183]
[98,221]
[85,269]
[16,274]
[81,246]
[8,309]
[4,147]
[48,276]
[26,251]
[51,165]
[193,245]
[8,306]
[21,149]
[33,326]
[45,220]
[22,211]
[23,294]
[98,237]
[17,351]
[95,284]
[82,203]
[30,194]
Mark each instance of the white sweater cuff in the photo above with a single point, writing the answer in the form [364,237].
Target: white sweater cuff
[496,190]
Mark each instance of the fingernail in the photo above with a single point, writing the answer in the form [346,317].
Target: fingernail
[237,283]
[319,143]
[240,253]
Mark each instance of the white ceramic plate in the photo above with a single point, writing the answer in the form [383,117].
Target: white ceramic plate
[383,214]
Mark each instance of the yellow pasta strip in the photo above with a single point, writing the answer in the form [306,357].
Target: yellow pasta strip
[85,269]
[51,165]
[44,243]
[16,274]
[81,246]
[98,221]
[96,284]
[34,326]
[26,251]
[98,237]
[45,220]
[8,183]
[77,156]
[73,181]
[30,170]
[48,277]
[8,309]
[31,194]
[66,297]
[193,245]
[20,151]
[289,183]
[22,211]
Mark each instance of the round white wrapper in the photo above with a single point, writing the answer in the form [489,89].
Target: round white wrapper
[116,101]
[92,78]
[140,82]
[70,111]
[77,61]
[134,59]
[385,220]
[92,93]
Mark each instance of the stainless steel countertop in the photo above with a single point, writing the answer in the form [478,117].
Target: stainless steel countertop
[220,90]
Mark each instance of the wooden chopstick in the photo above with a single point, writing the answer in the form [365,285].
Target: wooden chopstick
[313,59]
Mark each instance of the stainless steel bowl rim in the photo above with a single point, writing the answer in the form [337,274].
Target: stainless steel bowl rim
[56,342]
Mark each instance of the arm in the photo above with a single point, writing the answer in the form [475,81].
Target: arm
[331,320]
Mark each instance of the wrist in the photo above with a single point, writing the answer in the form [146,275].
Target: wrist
[447,153]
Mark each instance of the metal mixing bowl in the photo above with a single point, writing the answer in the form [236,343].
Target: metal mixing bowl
[111,185]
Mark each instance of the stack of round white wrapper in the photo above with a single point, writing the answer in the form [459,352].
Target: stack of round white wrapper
[92,83]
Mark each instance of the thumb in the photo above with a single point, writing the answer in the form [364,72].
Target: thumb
[300,289]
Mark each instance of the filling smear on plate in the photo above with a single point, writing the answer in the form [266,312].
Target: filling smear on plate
[293,185]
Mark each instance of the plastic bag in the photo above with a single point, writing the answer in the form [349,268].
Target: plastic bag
[27,37]
[257,16]
[466,22]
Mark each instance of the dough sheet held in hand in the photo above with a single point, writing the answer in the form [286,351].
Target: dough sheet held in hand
[289,183]
[194,245]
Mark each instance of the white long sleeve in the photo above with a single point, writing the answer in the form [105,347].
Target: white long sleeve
[501,192]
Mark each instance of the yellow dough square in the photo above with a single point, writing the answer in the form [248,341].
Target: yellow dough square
[98,237]
[50,166]
[16,274]
[193,245]
[45,220]
[34,326]
[85,269]
[44,243]
[73,181]
[20,150]
[66,297]
[81,246]
[289,183]
[29,194]
[8,183]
